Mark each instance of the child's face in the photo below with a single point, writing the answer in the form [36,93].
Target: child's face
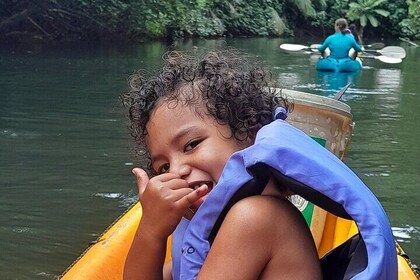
[196,148]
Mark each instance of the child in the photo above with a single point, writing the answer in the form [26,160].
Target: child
[352,30]
[190,119]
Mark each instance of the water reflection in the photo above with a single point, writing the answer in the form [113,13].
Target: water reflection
[331,82]
[390,79]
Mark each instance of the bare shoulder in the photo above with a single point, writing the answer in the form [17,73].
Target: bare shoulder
[265,208]
[264,237]
[270,220]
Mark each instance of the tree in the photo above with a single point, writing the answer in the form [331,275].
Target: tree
[411,25]
[366,11]
[308,8]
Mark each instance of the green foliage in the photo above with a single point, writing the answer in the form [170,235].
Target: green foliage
[320,19]
[151,19]
[327,14]
[320,5]
[366,11]
[199,20]
[304,7]
[251,17]
[390,25]
[399,10]
[173,19]
[411,25]
[98,16]
[138,19]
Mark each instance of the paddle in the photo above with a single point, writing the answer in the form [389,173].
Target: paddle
[390,51]
[408,41]
[338,95]
[391,54]
[297,47]
[376,46]
[383,58]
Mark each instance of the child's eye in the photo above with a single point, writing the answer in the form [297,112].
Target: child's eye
[191,145]
[163,168]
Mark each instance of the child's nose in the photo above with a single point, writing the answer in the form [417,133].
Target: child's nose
[182,169]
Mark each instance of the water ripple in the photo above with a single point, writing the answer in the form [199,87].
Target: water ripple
[406,233]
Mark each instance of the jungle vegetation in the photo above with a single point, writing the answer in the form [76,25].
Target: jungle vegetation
[69,20]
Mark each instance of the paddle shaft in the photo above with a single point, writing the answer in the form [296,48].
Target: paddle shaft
[338,95]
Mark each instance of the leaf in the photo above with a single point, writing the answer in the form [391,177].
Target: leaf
[373,20]
[323,4]
[382,12]
[354,5]
[363,20]
[379,2]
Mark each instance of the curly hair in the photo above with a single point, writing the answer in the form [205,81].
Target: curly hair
[233,91]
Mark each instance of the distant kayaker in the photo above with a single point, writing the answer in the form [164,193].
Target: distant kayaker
[352,30]
[188,120]
[340,43]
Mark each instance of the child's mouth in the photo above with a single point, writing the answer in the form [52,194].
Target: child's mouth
[195,186]
[194,207]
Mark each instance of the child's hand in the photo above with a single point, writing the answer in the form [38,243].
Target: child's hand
[165,199]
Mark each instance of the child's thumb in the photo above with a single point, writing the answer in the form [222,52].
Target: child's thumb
[141,178]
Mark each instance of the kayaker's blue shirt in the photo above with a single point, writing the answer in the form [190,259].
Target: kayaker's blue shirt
[340,45]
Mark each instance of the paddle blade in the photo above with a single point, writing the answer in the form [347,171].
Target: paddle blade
[387,59]
[383,58]
[293,47]
[393,51]
[375,46]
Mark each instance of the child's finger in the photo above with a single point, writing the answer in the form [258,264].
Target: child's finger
[142,179]
[195,195]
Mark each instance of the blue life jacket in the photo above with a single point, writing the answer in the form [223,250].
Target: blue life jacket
[311,171]
[176,248]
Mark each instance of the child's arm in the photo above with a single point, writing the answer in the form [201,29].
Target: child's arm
[146,257]
[164,200]
[262,237]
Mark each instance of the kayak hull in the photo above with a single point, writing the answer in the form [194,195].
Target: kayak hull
[338,65]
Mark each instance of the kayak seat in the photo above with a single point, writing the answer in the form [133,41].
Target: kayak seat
[346,260]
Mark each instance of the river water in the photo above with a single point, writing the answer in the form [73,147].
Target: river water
[66,154]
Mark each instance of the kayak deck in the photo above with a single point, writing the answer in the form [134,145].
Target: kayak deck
[338,65]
